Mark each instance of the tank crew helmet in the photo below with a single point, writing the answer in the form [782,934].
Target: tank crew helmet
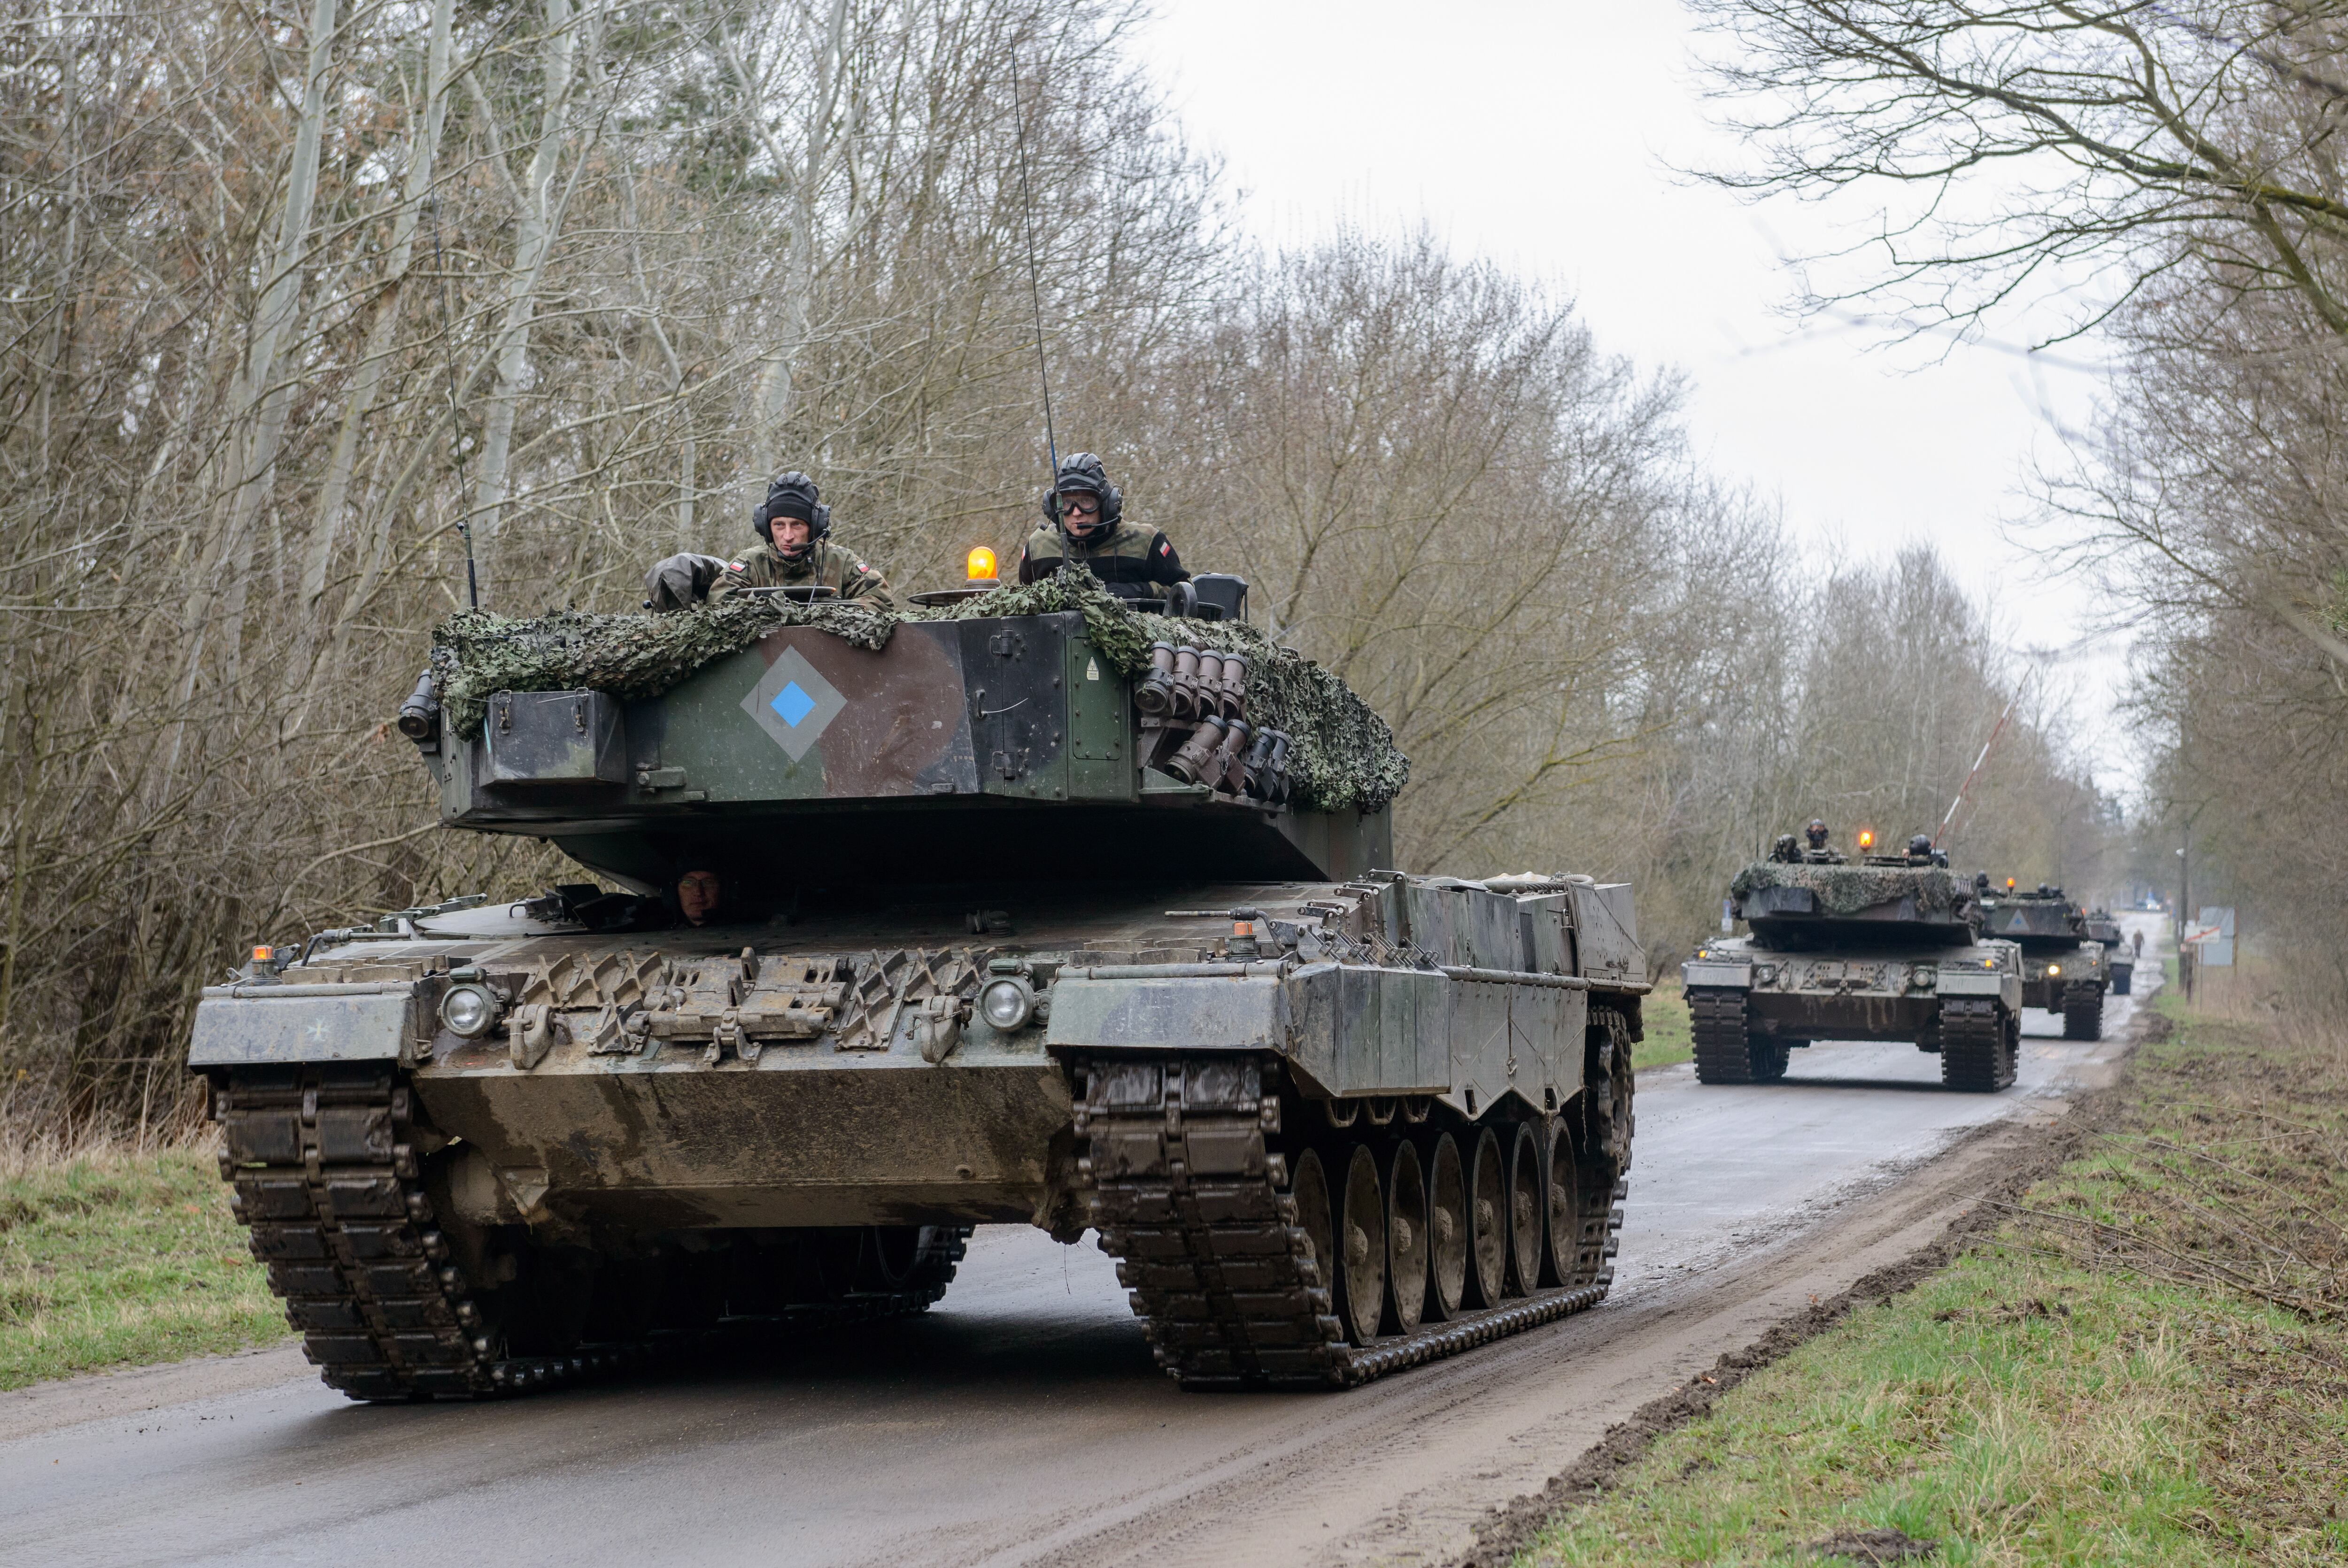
[1785,847]
[1817,833]
[792,495]
[1919,844]
[1081,473]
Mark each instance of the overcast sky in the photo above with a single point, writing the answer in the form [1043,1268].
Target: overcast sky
[1545,136]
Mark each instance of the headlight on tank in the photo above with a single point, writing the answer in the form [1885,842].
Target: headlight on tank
[470,1009]
[1006,1004]
[1925,977]
[2053,969]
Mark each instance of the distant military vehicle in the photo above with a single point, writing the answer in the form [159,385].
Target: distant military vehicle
[1885,949]
[1023,919]
[2062,969]
[2119,958]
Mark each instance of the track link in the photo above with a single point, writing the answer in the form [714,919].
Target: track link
[323,1171]
[1980,1048]
[1727,1049]
[1191,1198]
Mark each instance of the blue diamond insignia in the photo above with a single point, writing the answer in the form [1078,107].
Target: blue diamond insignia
[793,704]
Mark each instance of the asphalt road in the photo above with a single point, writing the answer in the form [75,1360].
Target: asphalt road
[1021,1420]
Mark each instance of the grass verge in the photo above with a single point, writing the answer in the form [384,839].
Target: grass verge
[120,1259]
[2146,1362]
[1664,1017]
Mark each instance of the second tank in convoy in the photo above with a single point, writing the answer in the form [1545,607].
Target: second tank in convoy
[1883,948]
[2063,964]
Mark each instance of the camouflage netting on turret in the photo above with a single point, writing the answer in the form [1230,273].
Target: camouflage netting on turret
[1849,890]
[475,654]
[1343,753]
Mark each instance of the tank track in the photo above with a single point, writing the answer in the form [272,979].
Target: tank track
[324,1173]
[2083,1013]
[1979,1044]
[1187,1193]
[1725,1048]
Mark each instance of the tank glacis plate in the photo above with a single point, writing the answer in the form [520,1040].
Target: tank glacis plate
[486,1148]
[1880,951]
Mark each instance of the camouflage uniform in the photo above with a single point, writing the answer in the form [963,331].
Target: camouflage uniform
[825,566]
[1128,554]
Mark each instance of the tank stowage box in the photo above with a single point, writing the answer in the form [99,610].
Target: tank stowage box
[1883,950]
[2062,969]
[977,960]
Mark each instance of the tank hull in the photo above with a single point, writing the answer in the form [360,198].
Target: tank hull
[660,1132]
[1754,1004]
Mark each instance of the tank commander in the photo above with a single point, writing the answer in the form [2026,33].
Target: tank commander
[1786,850]
[796,551]
[1920,852]
[1817,854]
[1132,564]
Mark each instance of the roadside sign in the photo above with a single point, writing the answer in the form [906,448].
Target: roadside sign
[2212,936]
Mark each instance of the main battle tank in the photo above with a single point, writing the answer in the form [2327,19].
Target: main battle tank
[1886,949]
[2063,966]
[2119,958]
[1018,935]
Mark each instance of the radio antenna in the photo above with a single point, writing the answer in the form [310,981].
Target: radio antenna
[1035,297]
[456,423]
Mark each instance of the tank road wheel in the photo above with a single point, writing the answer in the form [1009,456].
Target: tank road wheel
[1362,1227]
[1561,1214]
[1979,1044]
[1446,1228]
[1525,1207]
[1487,1221]
[2083,1013]
[1406,1238]
[1727,1050]
[1308,1186]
